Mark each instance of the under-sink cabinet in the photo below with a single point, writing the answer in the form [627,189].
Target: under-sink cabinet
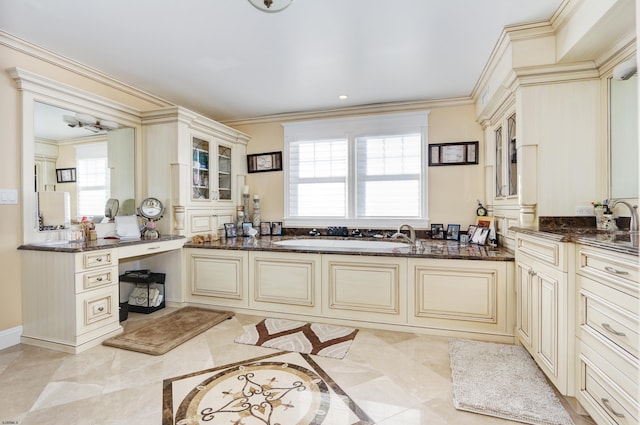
[608,335]
[64,316]
[545,307]
[394,292]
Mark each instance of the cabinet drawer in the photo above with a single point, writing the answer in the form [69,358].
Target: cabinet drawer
[617,270]
[96,279]
[545,251]
[96,308]
[94,259]
[605,398]
[609,313]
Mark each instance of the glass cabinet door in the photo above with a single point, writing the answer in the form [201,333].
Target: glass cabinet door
[513,156]
[200,169]
[499,175]
[224,172]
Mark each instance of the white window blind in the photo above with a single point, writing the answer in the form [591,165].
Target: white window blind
[365,171]
[92,179]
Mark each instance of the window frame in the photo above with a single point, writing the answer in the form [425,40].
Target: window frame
[352,129]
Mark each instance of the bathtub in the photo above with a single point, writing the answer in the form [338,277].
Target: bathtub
[321,244]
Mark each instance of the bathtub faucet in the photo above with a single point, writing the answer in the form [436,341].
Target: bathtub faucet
[409,239]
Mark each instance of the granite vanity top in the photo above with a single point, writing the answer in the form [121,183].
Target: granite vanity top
[100,243]
[619,241]
[440,249]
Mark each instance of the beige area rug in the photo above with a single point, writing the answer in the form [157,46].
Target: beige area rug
[280,388]
[165,333]
[503,381]
[301,337]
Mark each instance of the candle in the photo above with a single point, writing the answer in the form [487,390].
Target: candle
[245,189]
[256,197]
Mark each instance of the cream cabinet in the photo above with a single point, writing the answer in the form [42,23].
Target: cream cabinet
[217,277]
[285,283]
[545,307]
[608,335]
[70,300]
[487,304]
[208,220]
[365,288]
[211,169]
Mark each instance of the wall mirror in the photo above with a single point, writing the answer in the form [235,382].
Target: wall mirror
[100,154]
[49,111]
[623,137]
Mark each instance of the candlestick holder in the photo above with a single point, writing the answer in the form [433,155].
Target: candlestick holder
[245,202]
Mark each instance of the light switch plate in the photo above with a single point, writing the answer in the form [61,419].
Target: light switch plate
[9,196]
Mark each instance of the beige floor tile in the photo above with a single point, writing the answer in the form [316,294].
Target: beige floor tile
[397,378]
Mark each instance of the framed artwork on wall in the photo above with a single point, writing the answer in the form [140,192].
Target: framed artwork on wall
[457,153]
[66,175]
[261,162]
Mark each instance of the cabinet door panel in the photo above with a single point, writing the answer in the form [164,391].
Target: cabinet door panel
[218,276]
[292,280]
[524,307]
[547,302]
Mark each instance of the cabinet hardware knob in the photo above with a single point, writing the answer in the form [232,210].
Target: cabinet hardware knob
[100,309]
[613,331]
[99,279]
[608,406]
[615,271]
[99,259]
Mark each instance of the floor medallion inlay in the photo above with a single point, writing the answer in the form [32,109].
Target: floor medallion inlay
[282,388]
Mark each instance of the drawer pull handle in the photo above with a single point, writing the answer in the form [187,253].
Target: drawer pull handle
[613,331]
[153,247]
[615,271]
[608,406]
[99,259]
[100,309]
[99,279]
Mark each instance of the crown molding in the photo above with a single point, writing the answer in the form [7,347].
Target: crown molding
[67,64]
[354,111]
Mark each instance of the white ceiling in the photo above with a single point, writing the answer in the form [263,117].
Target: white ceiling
[227,60]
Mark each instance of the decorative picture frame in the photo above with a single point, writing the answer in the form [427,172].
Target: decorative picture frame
[485,221]
[265,228]
[437,231]
[480,236]
[230,230]
[66,175]
[246,226]
[456,153]
[453,232]
[471,230]
[276,228]
[262,162]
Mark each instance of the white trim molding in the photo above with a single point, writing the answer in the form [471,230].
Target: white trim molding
[10,337]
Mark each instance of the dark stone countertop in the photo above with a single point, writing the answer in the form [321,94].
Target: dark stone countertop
[439,249]
[93,245]
[618,241]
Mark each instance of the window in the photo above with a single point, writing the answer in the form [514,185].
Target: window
[364,172]
[92,179]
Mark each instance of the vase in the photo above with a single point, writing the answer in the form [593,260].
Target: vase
[256,212]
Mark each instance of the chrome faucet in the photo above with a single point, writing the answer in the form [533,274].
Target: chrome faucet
[633,210]
[409,239]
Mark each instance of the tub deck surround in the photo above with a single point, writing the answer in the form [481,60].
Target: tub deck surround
[437,249]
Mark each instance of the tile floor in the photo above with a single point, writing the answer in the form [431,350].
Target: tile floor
[396,378]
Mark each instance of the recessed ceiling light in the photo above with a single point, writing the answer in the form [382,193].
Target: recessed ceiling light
[343,97]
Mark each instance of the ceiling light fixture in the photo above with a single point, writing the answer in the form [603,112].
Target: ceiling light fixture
[343,97]
[271,6]
[90,123]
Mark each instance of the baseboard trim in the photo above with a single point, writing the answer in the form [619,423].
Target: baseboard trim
[10,337]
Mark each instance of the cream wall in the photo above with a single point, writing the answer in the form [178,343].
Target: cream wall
[26,57]
[453,190]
